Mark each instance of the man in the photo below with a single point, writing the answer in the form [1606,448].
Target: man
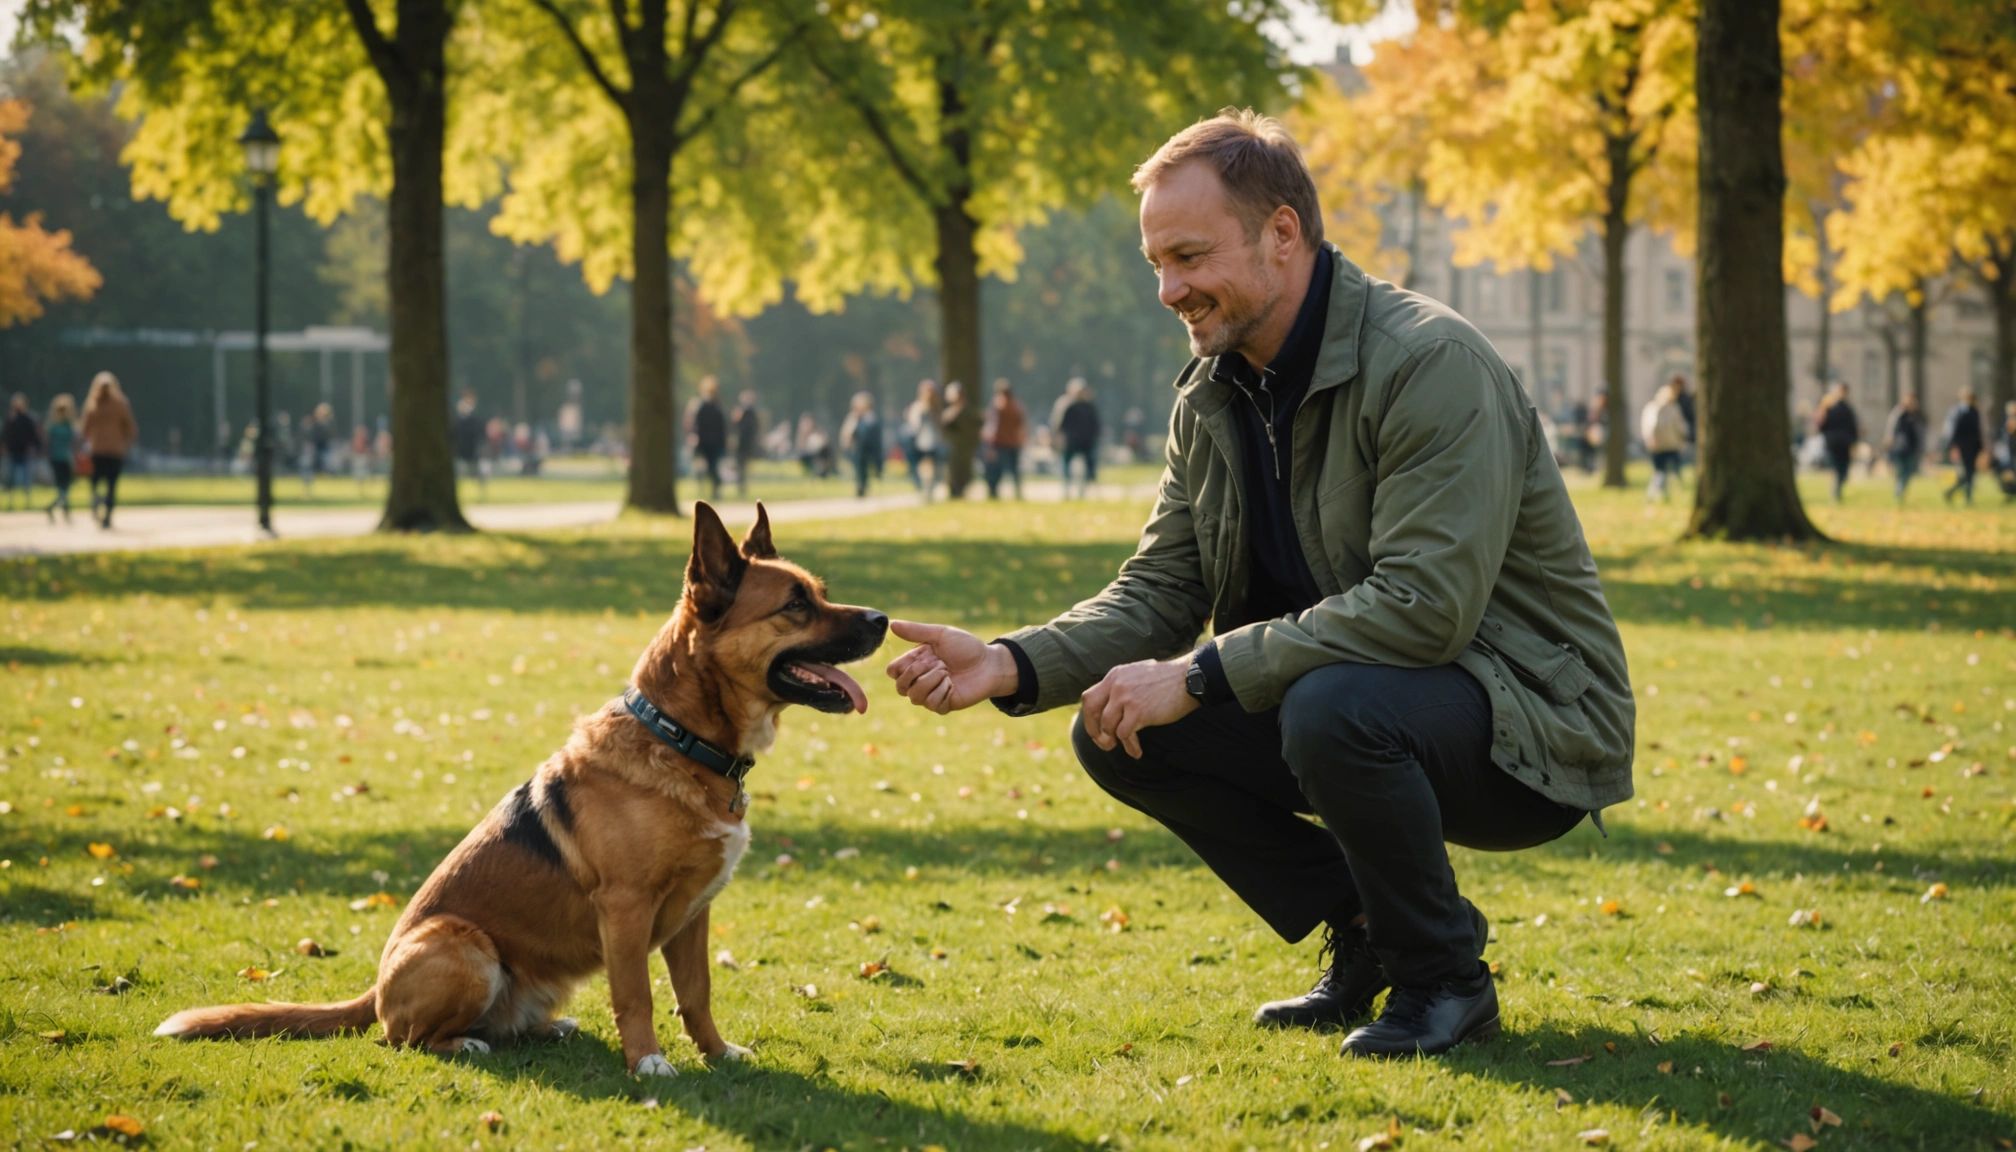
[20,440]
[1410,640]
[1005,431]
[1077,428]
[1961,442]
[747,421]
[468,434]
[963,423]
[1839,431]
[707,432]
[1904,442]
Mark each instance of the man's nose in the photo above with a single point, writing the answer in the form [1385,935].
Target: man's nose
[1170,289]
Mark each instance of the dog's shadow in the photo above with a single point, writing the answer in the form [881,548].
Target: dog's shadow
[772,1107]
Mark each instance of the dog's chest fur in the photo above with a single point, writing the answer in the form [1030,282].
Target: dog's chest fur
[680,910]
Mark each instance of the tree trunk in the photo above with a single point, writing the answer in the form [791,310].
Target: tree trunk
[653,408]
[1892,354]
[2002,303]
[1823,350]
[1617,412]
[1747,490]
[421,495]
[1919,310]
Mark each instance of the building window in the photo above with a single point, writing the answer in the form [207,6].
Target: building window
[1676,291]
[1557,291]
[1488,289]
[1982,375]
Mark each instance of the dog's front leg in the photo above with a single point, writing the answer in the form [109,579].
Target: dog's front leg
[693,983]
[624,919]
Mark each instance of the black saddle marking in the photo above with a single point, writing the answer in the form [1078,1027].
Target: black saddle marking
[523,827]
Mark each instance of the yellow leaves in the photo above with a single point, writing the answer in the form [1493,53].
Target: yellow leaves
[1800,1142]
[1746,888]
[1936,892]
[1820,1117]
[375,900]
[1805,918]
[259,975]
[101,851]
[1114,919]
[491,1120]
[1738,765]
[124,1125]
[276,832]
[187,883]
[1387,1138]
[1610,908]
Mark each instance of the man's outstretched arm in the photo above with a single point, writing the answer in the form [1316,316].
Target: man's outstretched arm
[950,668]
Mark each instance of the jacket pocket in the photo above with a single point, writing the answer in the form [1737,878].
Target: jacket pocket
[1555,671]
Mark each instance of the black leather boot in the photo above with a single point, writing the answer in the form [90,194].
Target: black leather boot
[1349,984]
[1430,1020]
[1342,994]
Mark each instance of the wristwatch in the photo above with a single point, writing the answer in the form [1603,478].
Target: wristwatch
[1194,682]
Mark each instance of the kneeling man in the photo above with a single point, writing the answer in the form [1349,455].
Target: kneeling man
[1410,641]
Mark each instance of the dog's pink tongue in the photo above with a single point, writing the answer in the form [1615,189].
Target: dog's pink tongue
[843,682]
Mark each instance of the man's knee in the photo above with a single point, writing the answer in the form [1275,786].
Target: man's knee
[1337,713]
[1117,772]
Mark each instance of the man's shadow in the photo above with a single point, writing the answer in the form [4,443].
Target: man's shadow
[1712,1085]
[772,1108]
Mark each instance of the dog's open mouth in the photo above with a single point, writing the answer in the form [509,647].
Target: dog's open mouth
[820,686]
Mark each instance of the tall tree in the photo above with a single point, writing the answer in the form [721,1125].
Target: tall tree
[668,69]
[1747,489]
[190,71]
[36,265]
[991,113]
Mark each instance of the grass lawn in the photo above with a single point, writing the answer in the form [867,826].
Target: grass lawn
[565,481]
[210,756]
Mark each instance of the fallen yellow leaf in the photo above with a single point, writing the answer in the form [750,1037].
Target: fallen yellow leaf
[126,1126]
[102,851]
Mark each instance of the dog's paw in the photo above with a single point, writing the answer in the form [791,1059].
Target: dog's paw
[733,1053]
[564,1027]
[470,1046]
[654,1065]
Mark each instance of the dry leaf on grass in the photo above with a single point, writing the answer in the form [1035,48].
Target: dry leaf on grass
[126,1126]
[1666,1067]
[1390,1138]
[1935,892]
[967,1067]
[1759,1046]
[492,1120]
[1800,1142]
[1570,1062]
[306,946]
[102,851]
[1562,1099]
[1594,1136]
[259,975]
[1820,1118]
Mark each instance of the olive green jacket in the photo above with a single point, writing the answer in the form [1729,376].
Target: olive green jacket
[1435,521]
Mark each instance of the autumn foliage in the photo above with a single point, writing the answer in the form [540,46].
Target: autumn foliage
[36,265]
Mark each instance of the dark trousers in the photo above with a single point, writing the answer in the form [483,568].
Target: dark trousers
[1963,475]
[1396,761]
[105,472]
[711,462]
[1004,462]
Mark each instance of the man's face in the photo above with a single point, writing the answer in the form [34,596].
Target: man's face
[1222,284]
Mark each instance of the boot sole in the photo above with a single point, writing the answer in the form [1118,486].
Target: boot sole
[1483,1032]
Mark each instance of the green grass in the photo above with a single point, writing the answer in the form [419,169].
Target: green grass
[132,683]
[566,480]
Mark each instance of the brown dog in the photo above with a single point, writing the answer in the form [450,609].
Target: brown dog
[619,842]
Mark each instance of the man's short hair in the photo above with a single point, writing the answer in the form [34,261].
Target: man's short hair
[1256,160]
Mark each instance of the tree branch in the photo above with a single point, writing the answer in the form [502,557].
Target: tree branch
[879,128]
[680,139]
[383,53]
[586,53]
[692,56]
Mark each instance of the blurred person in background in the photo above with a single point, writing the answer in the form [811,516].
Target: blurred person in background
[1595,430]
[468,434]
[1664,430]
[923,437]
[60,437]
[861,440]
[815,448]
[109,431]
[1961,442]
[2002,456]
[1078,428]
[963,427]
[1839,430]
[1004,433]
[317,432]
[746,422]
[707,432]
[21,439]
[1904,442]
[360,455]
[283,440]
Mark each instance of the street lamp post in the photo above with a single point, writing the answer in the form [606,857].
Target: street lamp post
[262,159]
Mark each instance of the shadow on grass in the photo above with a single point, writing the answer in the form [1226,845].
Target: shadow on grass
[12,656]
[1769,1093]
[770,1107]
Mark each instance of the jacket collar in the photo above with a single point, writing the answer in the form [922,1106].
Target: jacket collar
[1336,361]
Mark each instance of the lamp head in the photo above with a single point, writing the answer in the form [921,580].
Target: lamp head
[261,144]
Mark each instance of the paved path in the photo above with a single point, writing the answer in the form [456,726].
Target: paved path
[144,527]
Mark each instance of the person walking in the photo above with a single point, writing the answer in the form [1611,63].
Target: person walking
[20,440]
[707,432]
[59,437]
[814,448]
[861,440]
[1409,637]
[1006,430]
[1595,430]
[1960,441]
[2002,456]
[317,432]
[924,437]
[1663,427]
[746,422]
[1078,427]
[964,425]
[468,434]
[109,431]
[1904,442]
[1839,431]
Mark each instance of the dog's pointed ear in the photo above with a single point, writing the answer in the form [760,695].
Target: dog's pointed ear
[714,570]
[757,545]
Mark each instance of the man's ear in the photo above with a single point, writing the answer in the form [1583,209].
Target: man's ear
[756,545]
[714,570]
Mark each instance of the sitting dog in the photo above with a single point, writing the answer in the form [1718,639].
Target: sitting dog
[620,841]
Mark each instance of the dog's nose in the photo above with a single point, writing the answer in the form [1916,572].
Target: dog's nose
[876,620]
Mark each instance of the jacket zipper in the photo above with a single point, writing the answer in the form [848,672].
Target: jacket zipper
[1267,421]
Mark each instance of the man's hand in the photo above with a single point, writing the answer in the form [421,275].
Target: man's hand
[950,669]
[1136,696]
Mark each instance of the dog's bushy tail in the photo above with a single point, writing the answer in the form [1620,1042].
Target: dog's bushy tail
[247,1021]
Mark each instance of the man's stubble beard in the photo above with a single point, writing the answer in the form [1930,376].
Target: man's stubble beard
[1237,326]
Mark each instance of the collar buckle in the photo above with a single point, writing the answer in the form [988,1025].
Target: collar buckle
[686,742]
